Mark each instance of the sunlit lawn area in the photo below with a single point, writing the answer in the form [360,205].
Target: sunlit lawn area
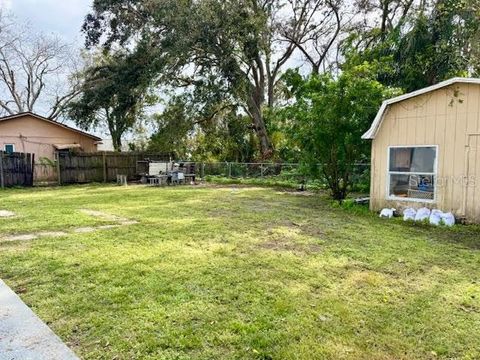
[240,273]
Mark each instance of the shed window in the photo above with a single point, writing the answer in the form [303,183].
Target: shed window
[412,173]
[9,148]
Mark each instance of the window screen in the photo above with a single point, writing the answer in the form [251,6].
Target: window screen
[412,173]
[9,148]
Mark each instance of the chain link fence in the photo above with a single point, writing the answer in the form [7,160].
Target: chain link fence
[292,174]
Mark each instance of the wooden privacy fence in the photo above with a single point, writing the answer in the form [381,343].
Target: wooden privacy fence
[45,174]
[16,169]
[75,168]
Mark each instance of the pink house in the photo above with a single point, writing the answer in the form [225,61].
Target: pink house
[31,133]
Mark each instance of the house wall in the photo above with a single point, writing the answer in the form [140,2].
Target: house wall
[33,135]
[449,118]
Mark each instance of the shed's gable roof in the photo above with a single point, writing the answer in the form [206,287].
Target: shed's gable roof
[23,114]
[377,122]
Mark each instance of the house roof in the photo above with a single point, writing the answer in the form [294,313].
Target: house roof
[377,122]
[67,146]
[22,114]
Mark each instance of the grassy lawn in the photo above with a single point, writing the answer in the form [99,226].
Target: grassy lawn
[245,273]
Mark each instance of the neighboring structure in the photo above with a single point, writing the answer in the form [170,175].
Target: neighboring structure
[426,150]
[107,145]
[31,133]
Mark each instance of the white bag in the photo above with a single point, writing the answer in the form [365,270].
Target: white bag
[387,213]
[409,214]
[422,214]
[436,217]
[448,219]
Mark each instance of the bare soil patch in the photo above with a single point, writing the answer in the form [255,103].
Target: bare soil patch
[102,215]
[284,245]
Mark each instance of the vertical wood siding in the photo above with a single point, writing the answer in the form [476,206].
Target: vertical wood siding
[450,119]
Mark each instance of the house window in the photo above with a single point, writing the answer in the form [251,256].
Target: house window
[412,173]
[9,148]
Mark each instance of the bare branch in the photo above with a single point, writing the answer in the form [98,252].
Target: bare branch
[35,71]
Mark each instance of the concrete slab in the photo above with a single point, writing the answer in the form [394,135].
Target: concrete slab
[23,336]
[6,213]
[106,227]
[21,237]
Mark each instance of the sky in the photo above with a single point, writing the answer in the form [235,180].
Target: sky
[63,18]
[60,17]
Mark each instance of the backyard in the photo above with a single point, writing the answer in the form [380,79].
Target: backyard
[233,272]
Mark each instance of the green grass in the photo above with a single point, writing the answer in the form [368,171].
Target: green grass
[284,182]
[268,181]
[246,273]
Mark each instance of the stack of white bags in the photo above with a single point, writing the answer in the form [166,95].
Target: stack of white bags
[435,217]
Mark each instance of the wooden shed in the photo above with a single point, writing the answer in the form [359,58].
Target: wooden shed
[426,150]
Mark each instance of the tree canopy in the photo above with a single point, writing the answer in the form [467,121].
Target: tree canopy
[437,41]
[114,92]
[328,118]
[237,49]
[288,80]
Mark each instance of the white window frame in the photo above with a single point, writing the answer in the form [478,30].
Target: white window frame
[5,147]
[434,174]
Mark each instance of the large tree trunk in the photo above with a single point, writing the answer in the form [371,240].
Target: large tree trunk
[254,108]
[117,142]
[114,130]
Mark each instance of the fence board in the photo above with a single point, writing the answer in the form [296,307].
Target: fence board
[72,168]
[16,169]
[97,167]
[45,173]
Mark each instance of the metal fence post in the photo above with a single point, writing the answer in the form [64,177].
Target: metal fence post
[2,181]
[229,169]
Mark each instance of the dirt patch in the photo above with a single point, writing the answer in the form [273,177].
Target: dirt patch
[313,230]
[286,223]
[102,215]
[296,193]
[284,245]
[227,186]
[6,214]
[259,207]
[110,217]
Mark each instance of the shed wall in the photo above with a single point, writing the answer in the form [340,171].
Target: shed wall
[449,118]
